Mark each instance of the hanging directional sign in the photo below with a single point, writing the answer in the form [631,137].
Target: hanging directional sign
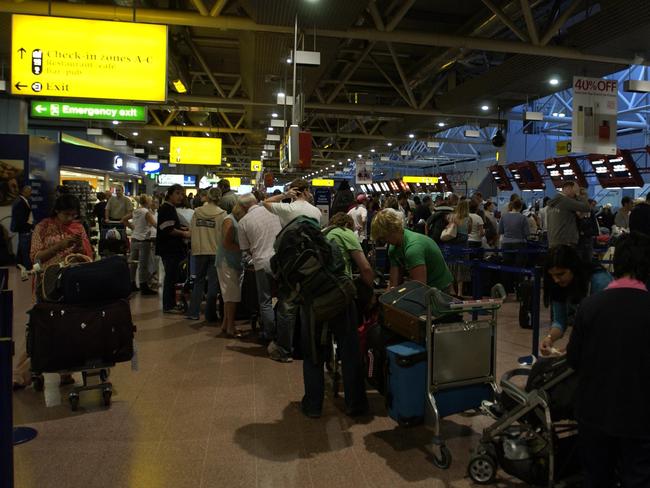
[75,58]
[256,166]
[88,111]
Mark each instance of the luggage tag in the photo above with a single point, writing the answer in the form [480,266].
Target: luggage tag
[135,364]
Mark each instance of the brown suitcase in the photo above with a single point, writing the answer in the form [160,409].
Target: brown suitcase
[404,310]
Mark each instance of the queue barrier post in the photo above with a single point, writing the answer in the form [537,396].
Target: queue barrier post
[6,390]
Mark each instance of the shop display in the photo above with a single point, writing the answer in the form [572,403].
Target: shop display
[87,198]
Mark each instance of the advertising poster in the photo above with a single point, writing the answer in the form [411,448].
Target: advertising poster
[595,107]
[364,172]
[323,200]
[11,178]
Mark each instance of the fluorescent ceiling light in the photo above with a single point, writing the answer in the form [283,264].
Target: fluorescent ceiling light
[441,124]
[411,136]
[115,122]
[485,108]
[135,134]
[274,115]
[554,81]
[149,141]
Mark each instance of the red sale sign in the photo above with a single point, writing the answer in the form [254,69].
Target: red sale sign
[595,108]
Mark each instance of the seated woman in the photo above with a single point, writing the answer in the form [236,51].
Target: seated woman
[609,351]
[410,253]
[567,281]
[54,239]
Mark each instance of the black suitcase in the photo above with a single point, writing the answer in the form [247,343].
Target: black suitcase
[64,337]
[106,279]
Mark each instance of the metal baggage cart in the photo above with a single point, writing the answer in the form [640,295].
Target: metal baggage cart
[461,359]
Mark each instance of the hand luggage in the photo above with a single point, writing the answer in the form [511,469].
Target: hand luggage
[73,337]
[406,382]
[404,310]
[107,279]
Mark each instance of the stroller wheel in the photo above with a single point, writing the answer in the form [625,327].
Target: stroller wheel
[444,461]
[482,469]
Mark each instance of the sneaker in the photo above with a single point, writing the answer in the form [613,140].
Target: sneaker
[277,354]
[173,311]
[192,317]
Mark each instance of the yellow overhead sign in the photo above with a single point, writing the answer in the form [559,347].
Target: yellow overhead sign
[256,166]
[195,150]
[322,182]
[425,180]
[562,148]
[60,57]
[234,181]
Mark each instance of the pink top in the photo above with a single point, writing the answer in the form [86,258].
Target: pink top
[627,283]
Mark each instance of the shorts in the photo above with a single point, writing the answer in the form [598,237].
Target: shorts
[229,282]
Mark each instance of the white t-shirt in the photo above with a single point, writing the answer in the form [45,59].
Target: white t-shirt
[289,211]
[359,214]
[477,222]
[185,216]
[257,232]
[141,228]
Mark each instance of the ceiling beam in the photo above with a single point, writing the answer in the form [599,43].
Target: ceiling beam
[187,18]
[194,128]
[507,21]
[218,7]
[530,21]
[561,20]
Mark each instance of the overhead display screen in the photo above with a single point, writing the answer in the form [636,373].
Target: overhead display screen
[177,179]
[76,58]
[565,169]
[195,150]
[527,176]
[500,177]
[616,171]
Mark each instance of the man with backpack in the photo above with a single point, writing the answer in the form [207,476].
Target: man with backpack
[314,270]
[299,206]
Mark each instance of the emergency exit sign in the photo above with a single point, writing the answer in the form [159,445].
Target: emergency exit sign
[88,111]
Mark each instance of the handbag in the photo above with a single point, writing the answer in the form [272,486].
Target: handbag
[450,232]
[50,289]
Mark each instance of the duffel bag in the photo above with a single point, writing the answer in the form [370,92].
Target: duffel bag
[73,337]
[106,279]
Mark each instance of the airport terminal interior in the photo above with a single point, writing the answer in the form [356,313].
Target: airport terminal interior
[314,243]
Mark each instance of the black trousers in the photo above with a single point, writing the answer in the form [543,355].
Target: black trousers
[607,459]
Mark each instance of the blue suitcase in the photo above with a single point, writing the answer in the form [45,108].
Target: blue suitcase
[407,382]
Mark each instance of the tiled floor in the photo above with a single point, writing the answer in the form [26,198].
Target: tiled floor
[214,412]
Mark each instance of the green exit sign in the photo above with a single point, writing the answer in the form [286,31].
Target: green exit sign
[88,111]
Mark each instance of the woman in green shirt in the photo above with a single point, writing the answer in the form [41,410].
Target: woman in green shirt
[341,232]
[414,254]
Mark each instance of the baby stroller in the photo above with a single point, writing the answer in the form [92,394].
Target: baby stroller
[528,439]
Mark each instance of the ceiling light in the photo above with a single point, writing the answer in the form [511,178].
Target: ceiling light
[281,94]
[561,114]
[441,124]
[207,134]
[288,60]
[149,141]
[554,81]
[554,114]
[372,150]
[332,166]
[162,148]
[411,136]
[390,144]
[179,86]
[135,134]
[228,165]
[115,122]
[274,115]
[485,108]
[340,163]
[270,129]
[359,155]
[349,160]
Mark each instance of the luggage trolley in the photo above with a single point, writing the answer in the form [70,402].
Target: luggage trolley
[461,359]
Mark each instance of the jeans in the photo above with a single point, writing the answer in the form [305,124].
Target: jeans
[204,268]
[22,253]
[171,265]
[286,313]
[264,280]
[141,251]
[604,456]
[344,328]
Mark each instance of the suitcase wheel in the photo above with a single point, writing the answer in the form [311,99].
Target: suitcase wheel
[73,398]
[482,469]
[106,395]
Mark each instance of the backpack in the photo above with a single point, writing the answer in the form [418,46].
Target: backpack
[312,267]
[437,223]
